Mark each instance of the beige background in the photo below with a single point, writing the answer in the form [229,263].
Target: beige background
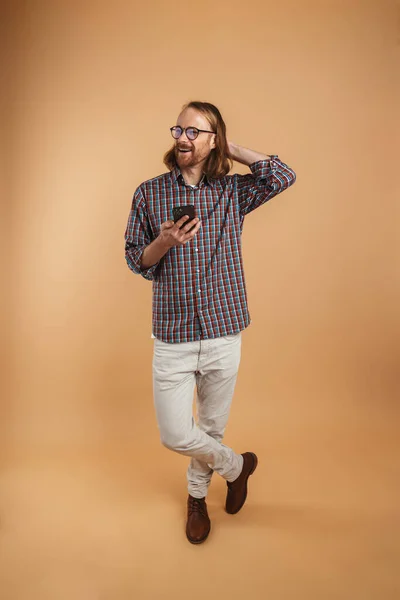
[91,505]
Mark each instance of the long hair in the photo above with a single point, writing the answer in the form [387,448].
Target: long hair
[218,163]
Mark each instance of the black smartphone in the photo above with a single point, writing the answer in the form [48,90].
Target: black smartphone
[181,211]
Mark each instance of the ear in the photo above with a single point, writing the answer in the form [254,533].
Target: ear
[212,143]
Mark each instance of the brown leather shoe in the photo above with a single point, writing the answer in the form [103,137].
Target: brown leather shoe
[237,490]
[198,524]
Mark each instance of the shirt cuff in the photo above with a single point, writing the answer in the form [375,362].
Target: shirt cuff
[149,272]
[134,264]
[263,168]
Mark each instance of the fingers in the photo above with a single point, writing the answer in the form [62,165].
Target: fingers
[167,225]
[189,235]
[183,225]
[182,221]
[177,225]
[181,236]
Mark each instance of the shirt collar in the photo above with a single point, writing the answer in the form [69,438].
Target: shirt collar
[176,173]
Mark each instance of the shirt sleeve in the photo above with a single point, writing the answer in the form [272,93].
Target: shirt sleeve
[267,179]
[138,235]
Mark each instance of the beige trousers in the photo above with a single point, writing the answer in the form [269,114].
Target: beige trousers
[213,365]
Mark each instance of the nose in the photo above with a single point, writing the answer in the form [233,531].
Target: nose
[183,137]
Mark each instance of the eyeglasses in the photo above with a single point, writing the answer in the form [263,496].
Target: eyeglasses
[191,132]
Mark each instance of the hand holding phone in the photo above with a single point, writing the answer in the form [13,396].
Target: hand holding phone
[179,232]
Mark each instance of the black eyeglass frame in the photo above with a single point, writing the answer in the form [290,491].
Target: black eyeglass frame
[184,129]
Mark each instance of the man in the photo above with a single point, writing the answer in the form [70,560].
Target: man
[199,294]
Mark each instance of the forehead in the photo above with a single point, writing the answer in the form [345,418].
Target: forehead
[191,117]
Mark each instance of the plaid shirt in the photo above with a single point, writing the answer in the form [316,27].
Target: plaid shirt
[199,289]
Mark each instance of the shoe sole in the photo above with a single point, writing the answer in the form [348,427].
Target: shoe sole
[255,463]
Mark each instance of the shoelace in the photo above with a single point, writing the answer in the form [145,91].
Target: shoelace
[197,505]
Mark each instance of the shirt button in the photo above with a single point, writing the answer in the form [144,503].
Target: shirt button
[199,291]
[196,249]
